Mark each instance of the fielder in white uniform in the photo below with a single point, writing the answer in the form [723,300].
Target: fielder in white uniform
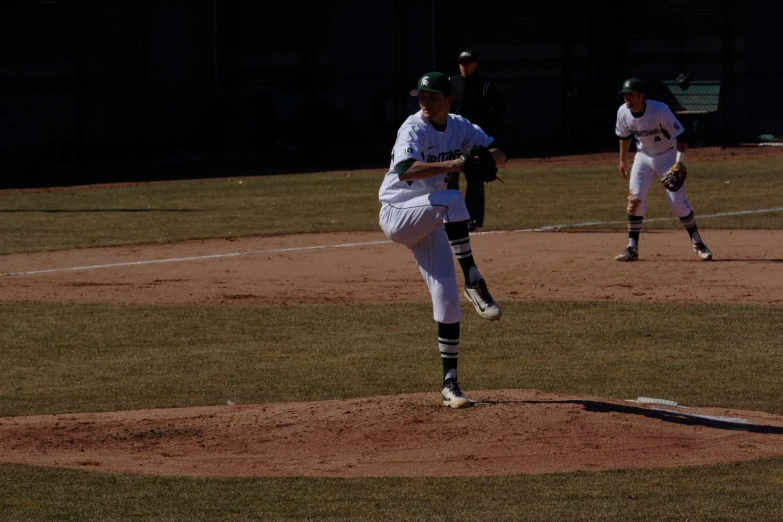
[660,143]
[418,211]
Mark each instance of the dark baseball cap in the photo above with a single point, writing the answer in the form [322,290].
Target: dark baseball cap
[632,85]
[433,82]
[467,57]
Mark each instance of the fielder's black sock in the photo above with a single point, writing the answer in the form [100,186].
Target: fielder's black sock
[689,222]
[459,239]
[634,229]
[448,342]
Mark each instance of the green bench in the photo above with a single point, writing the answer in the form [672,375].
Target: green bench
[696,97]
[694,100]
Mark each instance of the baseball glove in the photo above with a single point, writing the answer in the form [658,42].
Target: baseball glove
[480,164]
[675,177]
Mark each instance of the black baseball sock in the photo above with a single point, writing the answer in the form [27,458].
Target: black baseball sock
[448,342]
[459,239]
[689,222]
[634,229]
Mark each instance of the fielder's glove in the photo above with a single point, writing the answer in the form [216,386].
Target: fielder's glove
[675,177]
[480,164]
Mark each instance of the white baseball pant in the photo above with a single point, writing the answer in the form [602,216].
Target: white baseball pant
[647,169]
[418,224]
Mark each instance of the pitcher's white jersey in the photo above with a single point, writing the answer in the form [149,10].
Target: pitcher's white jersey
[417,139]
[655,131]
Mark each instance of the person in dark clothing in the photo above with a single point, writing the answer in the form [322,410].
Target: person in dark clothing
[478,100]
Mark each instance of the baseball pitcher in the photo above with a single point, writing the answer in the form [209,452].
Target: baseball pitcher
[660,153]
[418,211]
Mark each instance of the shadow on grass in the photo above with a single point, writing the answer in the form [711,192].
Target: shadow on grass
[676,417]
[746,261]
[77,211]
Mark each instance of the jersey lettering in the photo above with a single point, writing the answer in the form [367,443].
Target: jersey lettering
[654,130]
[418,139]
[444,156]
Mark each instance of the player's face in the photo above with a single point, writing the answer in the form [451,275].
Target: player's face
[634,100]
[466,69]
[434,106]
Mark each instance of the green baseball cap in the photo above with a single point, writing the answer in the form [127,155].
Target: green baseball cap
[433,82]
[632,85]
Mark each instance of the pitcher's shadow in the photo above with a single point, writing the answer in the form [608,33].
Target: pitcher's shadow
[675,417]
[773,260]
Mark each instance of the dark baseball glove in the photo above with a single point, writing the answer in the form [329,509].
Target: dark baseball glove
[675,177]
[479,164]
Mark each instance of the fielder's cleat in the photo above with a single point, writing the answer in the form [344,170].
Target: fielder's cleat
[482,300]
[702,251]
[472,225]
[452,395]
[629,254]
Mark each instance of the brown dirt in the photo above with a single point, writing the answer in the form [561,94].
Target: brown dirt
[283,270]
[507,432]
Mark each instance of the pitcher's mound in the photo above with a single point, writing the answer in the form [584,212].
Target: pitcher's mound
[506,432]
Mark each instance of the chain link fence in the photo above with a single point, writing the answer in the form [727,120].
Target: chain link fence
[116,90]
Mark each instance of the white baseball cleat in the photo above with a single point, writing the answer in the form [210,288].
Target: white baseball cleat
[482,300]
[702,251]
[629,254]
[452,395]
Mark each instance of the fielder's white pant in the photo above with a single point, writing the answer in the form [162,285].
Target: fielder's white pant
[418,224]
[647,169]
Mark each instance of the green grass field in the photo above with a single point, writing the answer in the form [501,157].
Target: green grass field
[78,358]
[745,491]
[72,358]
[347,201]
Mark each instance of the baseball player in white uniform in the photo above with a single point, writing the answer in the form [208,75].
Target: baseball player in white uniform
[660,143]
[418,211]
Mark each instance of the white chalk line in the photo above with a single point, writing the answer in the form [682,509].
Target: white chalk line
[348,245]
[598,223]
[194,258]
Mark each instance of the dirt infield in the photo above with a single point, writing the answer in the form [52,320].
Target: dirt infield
[366,267]
[507,432]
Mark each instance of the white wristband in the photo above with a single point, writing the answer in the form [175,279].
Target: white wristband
[680,157]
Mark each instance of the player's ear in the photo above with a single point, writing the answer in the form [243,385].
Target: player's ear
[449,99]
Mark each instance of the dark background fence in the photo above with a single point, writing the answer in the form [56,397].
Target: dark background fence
[94,91]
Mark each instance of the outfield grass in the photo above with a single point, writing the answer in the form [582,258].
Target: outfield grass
[77,358]
[347,201]
[73,358]
[59,358]
[732,492]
